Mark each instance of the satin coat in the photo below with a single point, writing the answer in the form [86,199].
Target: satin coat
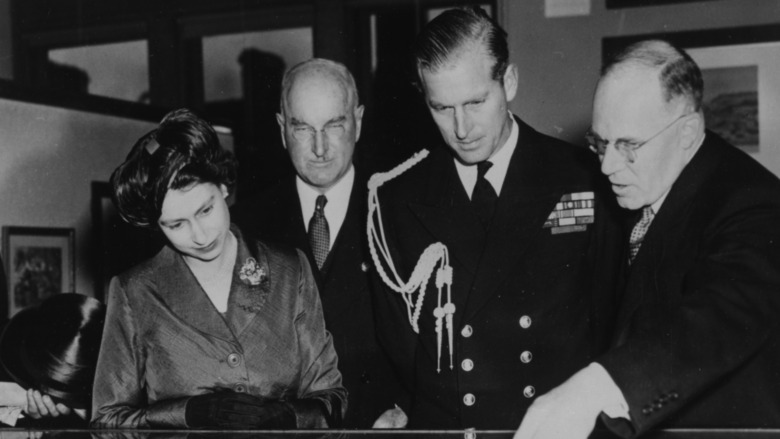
[698,335]
[164,340]
[531,306]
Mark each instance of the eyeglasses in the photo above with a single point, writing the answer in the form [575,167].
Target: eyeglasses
[306,134]
[626,148]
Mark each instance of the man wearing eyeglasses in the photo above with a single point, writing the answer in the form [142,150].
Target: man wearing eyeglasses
[322,211]
[697,342]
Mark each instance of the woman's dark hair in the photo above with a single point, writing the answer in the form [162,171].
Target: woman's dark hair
[53,347]
[184,150]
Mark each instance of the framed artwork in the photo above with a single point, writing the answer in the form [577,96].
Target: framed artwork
[616,4]
[741,72]
[39,263]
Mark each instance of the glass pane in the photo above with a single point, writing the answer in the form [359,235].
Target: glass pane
[116,70]
[221,54]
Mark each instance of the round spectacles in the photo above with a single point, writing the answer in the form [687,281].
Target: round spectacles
[626,148]
[307,134]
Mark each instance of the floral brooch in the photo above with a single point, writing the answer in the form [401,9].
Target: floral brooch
[252,273]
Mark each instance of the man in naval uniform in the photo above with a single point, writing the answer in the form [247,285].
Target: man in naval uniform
[522,219]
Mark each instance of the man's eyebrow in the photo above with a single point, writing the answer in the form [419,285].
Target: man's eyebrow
[295,121]
[337,119]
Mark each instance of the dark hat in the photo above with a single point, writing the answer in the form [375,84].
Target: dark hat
[53,347]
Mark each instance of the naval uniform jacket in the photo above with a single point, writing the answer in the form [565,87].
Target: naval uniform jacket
[698,341]
[528,310]
[343,284]
[164,340]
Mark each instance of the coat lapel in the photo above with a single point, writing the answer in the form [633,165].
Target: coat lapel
[182,293]
[249,287]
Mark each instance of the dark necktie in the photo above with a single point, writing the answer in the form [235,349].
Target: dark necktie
[484,196]
[319,232]
[638,233]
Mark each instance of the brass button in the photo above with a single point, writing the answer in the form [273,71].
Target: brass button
[364,267]
[467,331]
[529,391]
[526,356]
[233,360]
[525,322]
[469,399]
[467,365]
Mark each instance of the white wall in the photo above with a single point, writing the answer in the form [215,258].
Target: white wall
[48,159]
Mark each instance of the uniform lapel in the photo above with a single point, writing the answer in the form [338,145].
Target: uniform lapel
[525,202]
[446,213]
[179,289]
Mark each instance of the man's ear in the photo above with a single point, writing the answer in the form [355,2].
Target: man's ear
[280,121]
[510,82]
[691,127]
[224,190]
[358,121]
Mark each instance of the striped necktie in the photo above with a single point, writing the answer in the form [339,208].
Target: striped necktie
[319,232]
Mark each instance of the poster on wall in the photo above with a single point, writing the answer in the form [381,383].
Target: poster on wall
[39,263]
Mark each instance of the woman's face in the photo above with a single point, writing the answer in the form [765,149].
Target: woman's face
[196,220]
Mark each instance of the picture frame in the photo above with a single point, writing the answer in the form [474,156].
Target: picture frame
[741,71]
[39,262]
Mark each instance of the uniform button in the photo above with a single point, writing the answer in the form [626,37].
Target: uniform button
[467,331]
[364,267]
[526,356]
[467,365]
[525,322]
[529,391]
[469,399]
[239,388]
[233,360]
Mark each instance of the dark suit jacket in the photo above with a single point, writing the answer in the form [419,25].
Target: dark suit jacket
[343,285]
[164,340]
[698,342]
[528,310]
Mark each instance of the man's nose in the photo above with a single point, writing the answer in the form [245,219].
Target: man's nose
[612,160]
[320,146]
[462,124]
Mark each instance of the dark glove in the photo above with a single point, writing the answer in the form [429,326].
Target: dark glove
[238,411]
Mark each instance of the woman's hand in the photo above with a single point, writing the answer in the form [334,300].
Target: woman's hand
[40,405]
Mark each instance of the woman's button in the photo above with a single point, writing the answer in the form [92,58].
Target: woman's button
[233,360]
[239,388]
[525,322]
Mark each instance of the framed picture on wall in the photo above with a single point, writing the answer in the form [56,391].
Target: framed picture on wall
[741,72]
[39,262]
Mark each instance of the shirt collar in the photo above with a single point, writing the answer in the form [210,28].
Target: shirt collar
[500,159]
[338,201]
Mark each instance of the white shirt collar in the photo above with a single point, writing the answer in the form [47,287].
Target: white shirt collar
[500,159]
[338,202]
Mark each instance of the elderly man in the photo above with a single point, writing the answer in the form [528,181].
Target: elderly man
[321,210]
[519,214]
[697,341]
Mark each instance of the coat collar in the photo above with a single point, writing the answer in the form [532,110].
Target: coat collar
[181,292]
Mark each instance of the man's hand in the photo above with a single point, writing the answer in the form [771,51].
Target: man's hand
[570,410]
[40,405]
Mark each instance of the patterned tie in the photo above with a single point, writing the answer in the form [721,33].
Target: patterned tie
[484,196]
[319,232]
[638,233]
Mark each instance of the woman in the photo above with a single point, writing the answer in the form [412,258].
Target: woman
[214,331]
[51,350]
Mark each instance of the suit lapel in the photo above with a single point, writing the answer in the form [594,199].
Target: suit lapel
[179,289]
[662,235]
